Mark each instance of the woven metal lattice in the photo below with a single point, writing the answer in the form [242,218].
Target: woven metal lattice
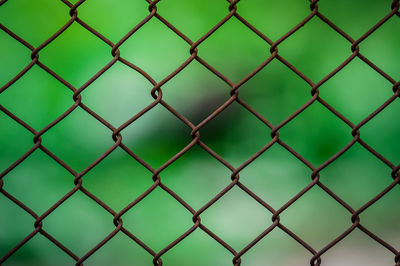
[233,96]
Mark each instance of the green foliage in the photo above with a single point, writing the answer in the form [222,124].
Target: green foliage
[275,92]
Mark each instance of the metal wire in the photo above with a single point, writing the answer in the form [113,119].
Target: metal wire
[157,94]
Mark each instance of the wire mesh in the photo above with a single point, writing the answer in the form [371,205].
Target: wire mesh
[157,94]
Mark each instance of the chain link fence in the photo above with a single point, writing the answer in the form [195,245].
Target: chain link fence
[233,13]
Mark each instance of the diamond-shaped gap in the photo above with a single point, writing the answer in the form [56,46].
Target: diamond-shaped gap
[39,182]
[32,21]
[144,50]
[40,251]
[352,18]
[113,25]
[118,94]
[118,174]
[158,219]
[80,223]
[156,136]
[275,92]
[78,140]
[120,250]
[201,249]
[241,54]
[356,91]
[74,2]
[316,218]
[358,249]
[196,92]
[37,98]
[277,248]
[273,18]
[276,176]
[387,36]
[356,170]
[316,133]
[15,141]
[76,55]
[237,218]
[382,132]
[315,49]
[382,218]
[197,177]
[15,60]
[235,134]
[202,15]
[15,224]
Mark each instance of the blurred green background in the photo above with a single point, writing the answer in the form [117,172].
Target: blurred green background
[275,92]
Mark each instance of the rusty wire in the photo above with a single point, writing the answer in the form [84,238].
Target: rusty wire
[157,94]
